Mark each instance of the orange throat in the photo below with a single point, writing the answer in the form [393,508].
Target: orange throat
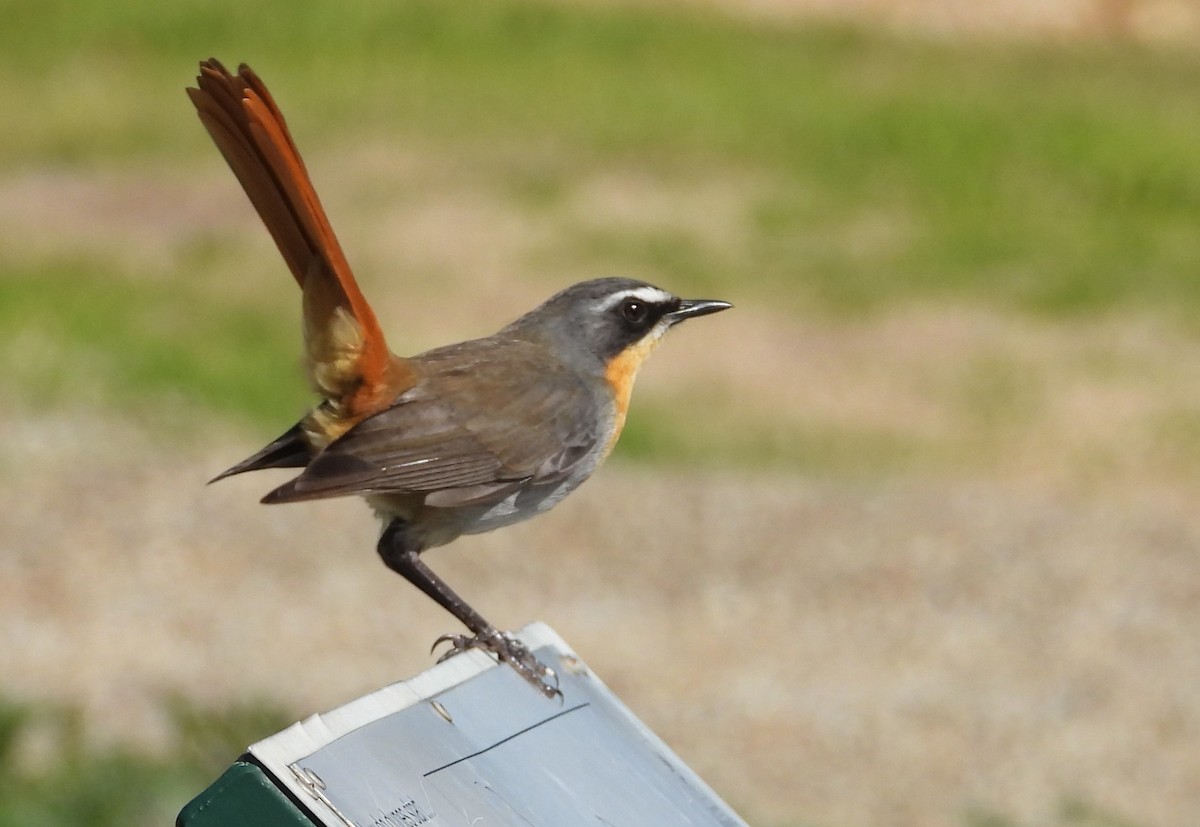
[620,372]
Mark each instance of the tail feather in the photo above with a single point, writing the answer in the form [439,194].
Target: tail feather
[290,450]
[348,358]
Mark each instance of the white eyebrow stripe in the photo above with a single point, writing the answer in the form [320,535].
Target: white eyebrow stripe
[648,294]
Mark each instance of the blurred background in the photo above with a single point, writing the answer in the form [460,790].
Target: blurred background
[907,538]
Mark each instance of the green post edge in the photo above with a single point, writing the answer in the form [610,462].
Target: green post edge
[242,797]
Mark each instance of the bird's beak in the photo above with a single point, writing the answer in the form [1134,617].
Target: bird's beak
[689,308]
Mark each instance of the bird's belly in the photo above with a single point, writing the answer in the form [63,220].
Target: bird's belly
[532,500]
[438,526]
[518,506]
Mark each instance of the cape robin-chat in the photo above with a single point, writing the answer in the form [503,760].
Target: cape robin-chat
[458,440]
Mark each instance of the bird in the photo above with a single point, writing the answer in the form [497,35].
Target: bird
[457,440]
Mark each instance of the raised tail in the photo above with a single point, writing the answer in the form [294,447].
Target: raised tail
[348,360]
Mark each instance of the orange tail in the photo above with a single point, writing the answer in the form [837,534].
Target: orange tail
[349,363]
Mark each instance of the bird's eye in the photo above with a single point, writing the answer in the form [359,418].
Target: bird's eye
[634,311]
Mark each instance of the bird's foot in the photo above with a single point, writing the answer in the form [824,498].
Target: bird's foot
[507,649]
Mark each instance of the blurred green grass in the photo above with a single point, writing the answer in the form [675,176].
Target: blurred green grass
[1056,179]
[51,775]
[126,351]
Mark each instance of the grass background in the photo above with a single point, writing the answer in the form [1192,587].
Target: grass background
[862,185]
[1051,180]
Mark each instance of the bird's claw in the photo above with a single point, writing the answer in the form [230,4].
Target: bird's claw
[458,644]
[507,649]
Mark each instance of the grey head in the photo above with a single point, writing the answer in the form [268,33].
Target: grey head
[606,317]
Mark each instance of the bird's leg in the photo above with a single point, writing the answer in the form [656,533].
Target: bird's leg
[406,561]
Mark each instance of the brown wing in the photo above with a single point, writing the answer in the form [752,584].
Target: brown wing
[349,362]
[484,418]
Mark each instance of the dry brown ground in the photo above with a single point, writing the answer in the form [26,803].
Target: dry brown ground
[1006,626]
[885,654]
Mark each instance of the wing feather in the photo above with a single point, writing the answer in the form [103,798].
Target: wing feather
[484,419]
